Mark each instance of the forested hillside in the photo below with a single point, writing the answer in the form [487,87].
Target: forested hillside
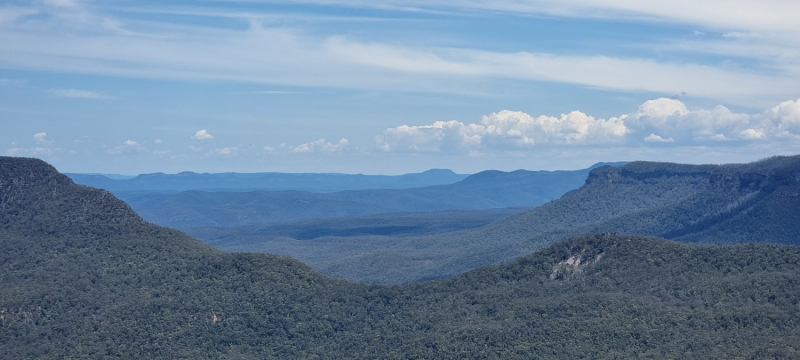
[84,277]
[720,204]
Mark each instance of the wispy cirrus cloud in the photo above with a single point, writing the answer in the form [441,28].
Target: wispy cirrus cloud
[769,15]
[78,94]
[100,43]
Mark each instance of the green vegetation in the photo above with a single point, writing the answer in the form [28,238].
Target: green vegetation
[719,204]
[394,224]
[83,277]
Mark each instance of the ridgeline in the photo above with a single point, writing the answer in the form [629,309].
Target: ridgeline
[717,204]
[82,276]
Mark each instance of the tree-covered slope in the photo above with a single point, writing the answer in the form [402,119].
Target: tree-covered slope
[722,204]
[83,277]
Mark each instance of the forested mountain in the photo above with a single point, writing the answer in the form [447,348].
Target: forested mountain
[485,190]
[82,276]
[324,182]
[395,224]
[720,204]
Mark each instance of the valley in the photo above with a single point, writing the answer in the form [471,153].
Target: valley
[84,276]
[717,204]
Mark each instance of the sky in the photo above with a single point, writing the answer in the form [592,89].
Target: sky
[391,87]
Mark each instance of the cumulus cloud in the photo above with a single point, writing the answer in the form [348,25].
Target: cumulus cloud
[785,118]
[662,120]
[127,147]
[78,94]
[752,134]
[658,139]
[671,118]
[41,147]
[321,145]
[41,138]
[504,129]
[202,135]
[225,151]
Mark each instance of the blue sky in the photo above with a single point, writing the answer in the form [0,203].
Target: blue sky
[396,86]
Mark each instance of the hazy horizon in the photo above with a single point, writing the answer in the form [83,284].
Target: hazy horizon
[350,86]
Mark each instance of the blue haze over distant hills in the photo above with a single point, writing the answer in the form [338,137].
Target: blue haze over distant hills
[311,182]
[220,200]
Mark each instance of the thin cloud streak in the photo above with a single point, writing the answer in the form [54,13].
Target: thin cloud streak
[250,56]
[78,94]
[749,15]
[102,45]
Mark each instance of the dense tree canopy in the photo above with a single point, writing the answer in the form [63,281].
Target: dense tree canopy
[82,276]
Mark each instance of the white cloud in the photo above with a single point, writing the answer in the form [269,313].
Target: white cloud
[662,108]
[504,129]
[321,145]
[127,147]
[786,118]
[78,94]
[671,119]
[223,151]
[36,151]
[158,141]
[753,15]
[41,138]
[86,43]
[658,139]
[10,82]
[608,72]
[752,134]
[202,135]
[10,14]
[665,120]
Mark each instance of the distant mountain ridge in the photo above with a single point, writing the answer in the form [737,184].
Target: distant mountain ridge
[82,276]
[484,190]
[720,204]
[310,182]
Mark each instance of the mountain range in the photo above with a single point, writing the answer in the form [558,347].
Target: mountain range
[718,204]
[83,276]
[311,182]
[484,190]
